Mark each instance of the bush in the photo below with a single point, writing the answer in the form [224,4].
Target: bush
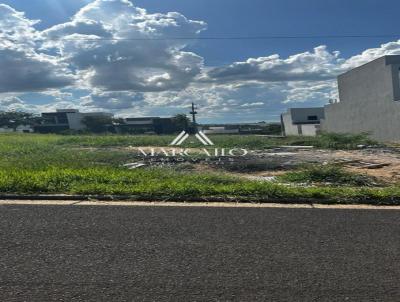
[328,174]
[343,140]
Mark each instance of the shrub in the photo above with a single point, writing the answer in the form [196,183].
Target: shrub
[328,174]
[343,140]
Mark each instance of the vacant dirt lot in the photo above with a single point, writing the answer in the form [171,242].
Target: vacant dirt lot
[382,163]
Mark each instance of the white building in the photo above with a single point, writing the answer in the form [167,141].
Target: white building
[66,119]
[221,130]
[19,129]
[369,101]
[302,121]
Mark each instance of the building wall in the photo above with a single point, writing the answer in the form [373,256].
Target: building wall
[6,130]
[290,129]
[309,130]
[20,129]
[24,129]
[369,101]
[65,119]
[296,122]
[75,121]
[301,115]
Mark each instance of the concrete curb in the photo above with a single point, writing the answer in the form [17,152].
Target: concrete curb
[75,203]
[244,200]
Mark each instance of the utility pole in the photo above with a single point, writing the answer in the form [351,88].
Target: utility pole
[194,113]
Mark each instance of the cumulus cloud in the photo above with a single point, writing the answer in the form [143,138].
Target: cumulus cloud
[315,66]
[130,49]
[391,48]
[27,71]
[14,103]
[254,104]
[7,101]
[111,100]
[123,59]
[23,69]
[15,26]
[308,66]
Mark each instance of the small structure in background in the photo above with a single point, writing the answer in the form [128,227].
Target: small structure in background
[261,128]
[149,125]
[18,129]
[221,129]
[66,119]
[302,121]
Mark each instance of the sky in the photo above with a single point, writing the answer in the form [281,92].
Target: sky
[121,56]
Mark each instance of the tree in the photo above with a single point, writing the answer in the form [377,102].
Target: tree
[98,124]
[13,119]
[181,122]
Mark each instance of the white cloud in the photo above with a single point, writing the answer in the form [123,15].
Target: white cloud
[27,71]
[15,26]
[125,63]
[254,104]
[7,101]
[391,48]
[111,100]
[308,66]
[23,69]
[123,59]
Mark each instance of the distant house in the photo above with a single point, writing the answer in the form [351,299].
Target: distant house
[302,121]
[221,130]
[20,129]
[24,129]
[157,125]
[65,119]
[242,128]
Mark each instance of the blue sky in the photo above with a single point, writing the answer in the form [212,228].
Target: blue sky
[227,92]
[256,17]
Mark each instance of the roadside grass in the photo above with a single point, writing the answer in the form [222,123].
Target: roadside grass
[256,165]
[161,184]
[53,164]
[328,174]
[343,141]
[324,141]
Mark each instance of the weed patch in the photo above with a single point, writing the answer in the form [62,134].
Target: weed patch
[328,174]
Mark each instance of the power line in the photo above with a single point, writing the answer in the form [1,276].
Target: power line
[267,37]
[271,37]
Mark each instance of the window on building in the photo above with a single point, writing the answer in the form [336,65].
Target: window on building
[312,118]
[62,120]
[49,120]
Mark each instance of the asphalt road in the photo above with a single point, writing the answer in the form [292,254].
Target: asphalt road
[70,253]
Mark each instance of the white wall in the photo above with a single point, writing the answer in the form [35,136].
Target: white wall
[25,128]
[21,129]
[309,130]
[290,129]
[6,130]
[75,121]
[221,131]
[369,101]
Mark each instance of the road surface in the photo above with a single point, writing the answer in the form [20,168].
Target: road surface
[71,253]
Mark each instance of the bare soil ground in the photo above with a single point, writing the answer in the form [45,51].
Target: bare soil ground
[382,163]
